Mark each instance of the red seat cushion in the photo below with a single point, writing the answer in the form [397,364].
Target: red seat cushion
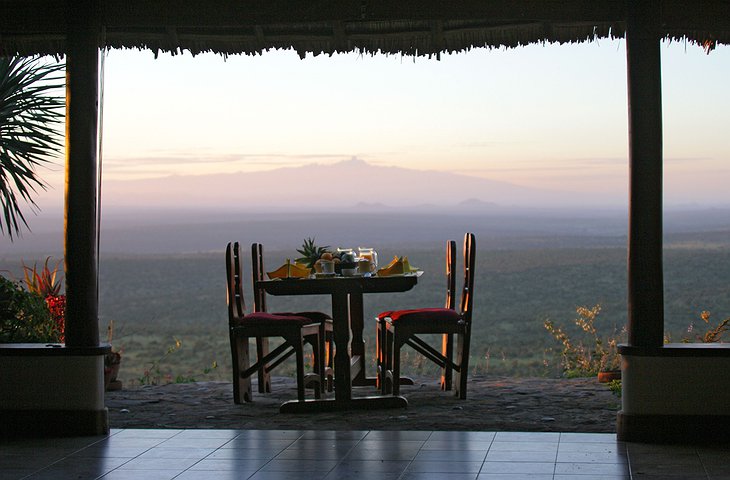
[317,317]
[264,318]
[421,315]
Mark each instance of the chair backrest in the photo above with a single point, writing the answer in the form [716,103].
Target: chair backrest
[451,274]
[467,293]
[234,293]
[257,262]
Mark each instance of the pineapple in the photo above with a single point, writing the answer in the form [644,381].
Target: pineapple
[311,252]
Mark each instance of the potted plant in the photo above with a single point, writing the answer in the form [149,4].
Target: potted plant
[609,360]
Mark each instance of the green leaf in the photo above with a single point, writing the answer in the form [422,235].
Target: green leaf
[31,111]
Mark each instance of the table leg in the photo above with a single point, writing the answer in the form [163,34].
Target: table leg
[341,332]
[357,347]
[341,311]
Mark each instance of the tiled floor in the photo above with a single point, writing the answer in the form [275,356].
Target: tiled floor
[382,455]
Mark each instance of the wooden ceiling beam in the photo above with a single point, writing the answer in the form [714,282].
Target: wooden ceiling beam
[703,15]
[49,15]
[257,12]
[40,16]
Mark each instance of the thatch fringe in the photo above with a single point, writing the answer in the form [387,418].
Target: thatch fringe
[409,38]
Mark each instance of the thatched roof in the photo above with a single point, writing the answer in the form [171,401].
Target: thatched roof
[410,27]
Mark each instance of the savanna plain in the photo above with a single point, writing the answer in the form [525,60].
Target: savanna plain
[169,317]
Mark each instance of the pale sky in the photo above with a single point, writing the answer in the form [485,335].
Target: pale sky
[548,116]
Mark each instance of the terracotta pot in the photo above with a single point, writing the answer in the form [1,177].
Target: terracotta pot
[605,377]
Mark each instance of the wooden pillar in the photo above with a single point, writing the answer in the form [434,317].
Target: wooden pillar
[645,271]
[82,75]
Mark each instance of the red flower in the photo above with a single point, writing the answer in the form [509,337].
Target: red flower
[57,306]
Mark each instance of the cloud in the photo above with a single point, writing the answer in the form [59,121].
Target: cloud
[491,143]
[686,159]
[249,159]
[541,168]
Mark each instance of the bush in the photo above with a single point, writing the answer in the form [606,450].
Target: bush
[588,355]
[24,316]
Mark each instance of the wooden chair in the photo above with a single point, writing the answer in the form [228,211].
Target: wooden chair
[326,346]
[402,327]
[294,329]
[447,342]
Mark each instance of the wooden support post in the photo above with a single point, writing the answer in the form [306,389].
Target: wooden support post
[645,271]
[82,64]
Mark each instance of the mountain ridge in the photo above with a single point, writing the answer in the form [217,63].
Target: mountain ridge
[319,186]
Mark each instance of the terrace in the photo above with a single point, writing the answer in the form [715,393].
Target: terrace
[655,406]
[154,454]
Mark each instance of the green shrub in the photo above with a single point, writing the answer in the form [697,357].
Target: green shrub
[24,316]
[615,387]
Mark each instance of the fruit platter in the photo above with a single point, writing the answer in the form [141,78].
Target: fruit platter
[317,261]
[325,261]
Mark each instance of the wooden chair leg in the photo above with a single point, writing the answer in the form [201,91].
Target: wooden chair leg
[447,349]
[395,341]
[317,343]
[462,356]
[299,353]
[319,357]
[380,355]
[329,377]
[241,361]
[316,378]
[387,338]
[262,349]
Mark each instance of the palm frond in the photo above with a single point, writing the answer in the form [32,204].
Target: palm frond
[31,110]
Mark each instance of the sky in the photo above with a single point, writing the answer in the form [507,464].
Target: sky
[547,116]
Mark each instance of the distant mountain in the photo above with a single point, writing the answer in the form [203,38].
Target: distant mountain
[348,184]
[470,203]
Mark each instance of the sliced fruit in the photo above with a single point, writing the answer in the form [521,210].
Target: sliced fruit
[289,270]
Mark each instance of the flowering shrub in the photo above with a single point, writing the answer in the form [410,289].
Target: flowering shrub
[36,314]
[25,316]
[43,283]
[711,335]
[714,334]
[593,353]
[57,307]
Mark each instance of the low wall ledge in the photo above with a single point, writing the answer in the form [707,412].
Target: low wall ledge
[50,349]
[678,350]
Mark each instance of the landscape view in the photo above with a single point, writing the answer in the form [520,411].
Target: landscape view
[162,272]
[526,148]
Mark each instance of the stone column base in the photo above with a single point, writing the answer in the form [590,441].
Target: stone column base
[53,423]
[52,390]
[688,429]
[676,393]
